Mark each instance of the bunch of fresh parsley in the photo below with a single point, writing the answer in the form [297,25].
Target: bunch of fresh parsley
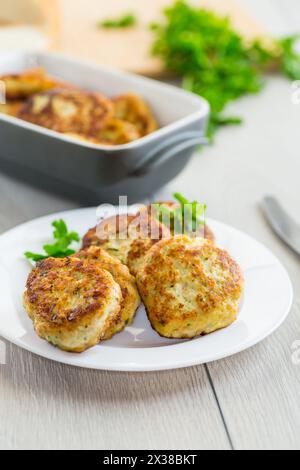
[62,245]
[215,61]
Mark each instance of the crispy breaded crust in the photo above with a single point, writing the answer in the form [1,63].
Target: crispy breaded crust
[190,287]
[150,232]
[72,303]
[21,86]
[11,107]
[127,238]
[116,132]
[122,276]
[112,236]
[133,109]
[68,111]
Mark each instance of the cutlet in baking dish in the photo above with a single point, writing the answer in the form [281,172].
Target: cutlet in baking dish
[90,117]
[68,111]
[21,86]
[131,108]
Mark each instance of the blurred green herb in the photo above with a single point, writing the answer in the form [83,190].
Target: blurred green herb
[126,21]
[290,63]
[215,61]
[187,217]
[62,245]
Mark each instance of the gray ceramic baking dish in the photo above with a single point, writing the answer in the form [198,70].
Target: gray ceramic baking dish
[94,173]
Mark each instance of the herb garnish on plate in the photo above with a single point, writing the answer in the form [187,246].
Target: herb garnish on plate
[62,246]
[187,217]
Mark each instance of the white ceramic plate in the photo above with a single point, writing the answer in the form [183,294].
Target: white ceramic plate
[139,348]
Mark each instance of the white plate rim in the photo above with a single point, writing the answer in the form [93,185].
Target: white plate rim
[135,367]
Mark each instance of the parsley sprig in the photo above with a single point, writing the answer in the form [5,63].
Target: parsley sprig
[215,61]
[126,21]
[62,245]
[188,217]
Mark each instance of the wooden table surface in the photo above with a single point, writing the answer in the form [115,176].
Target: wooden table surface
[251,400]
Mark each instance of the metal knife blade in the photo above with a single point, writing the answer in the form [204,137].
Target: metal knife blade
[283,225]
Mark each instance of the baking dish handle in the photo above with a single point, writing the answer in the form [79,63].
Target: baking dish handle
[167,151]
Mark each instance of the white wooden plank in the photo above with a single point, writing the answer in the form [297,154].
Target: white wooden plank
[259,392]
[50,406]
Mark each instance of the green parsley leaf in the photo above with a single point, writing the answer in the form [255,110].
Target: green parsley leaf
[62,246]
[215,61]
[126,21]
[186,218]
[34,256]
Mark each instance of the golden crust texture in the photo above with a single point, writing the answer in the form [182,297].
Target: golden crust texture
[190,287]
[127,238]
[117,132]
[149,232]
[11,107]
[112,236]
[72,303]
[133,109]
[113,132]
[68,111]
[21,86]
[120,273]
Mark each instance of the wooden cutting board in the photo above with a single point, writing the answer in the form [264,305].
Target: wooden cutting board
[70,26]
[129,49]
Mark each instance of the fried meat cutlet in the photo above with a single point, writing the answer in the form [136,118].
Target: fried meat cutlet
[112,236]
[127,238]
[189,287]
[23,85]
[133,109]
[68,111]
[72,303]
[120,273]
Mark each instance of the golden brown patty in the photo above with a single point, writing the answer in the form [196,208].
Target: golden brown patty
[147,232]
[190,287]
[133,109]
[122,276]
[127,238]
[116,132]
[72,303]
[21,86]
[11,107]
[207,232]
[112,236]
[68,111]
